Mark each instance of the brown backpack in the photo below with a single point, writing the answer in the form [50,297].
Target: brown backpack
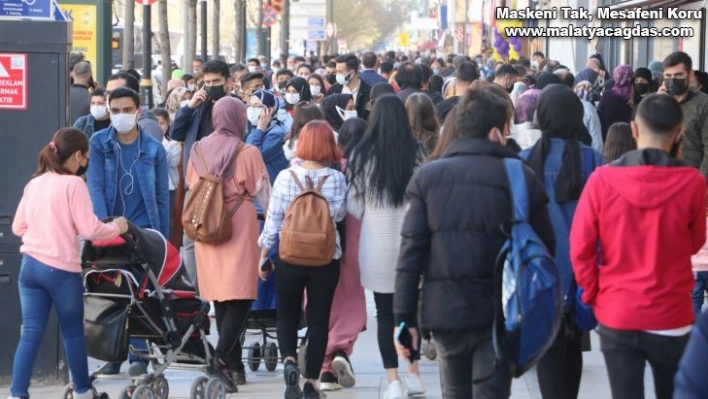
[308,236]
[206,218]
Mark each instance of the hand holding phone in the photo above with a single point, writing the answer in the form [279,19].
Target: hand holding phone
[265,268]
[406,340]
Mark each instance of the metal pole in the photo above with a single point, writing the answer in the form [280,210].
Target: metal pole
[146,82]
[204,30]
[259,27]
[268,39]
[285,29]
[333,42]
[187,58]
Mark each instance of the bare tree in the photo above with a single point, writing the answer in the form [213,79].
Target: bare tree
[129,36]
[165,50]
[192,32]
[215,29]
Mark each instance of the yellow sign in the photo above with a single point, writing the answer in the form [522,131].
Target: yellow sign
[84,20]
[404,39]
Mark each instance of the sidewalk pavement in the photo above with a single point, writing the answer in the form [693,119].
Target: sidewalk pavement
[371,381]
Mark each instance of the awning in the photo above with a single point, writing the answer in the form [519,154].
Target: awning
[648,4]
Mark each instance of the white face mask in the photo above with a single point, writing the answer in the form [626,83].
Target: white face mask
[99,111]
[252,69]
[292,98]
[315,90]
[253,114]
[275,71]
[124,123]
[347,114]
[184,103]
[190,87]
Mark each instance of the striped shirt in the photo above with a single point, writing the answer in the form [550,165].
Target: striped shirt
[285,189]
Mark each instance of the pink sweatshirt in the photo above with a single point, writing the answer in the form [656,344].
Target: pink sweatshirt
[700,260]
[54,210]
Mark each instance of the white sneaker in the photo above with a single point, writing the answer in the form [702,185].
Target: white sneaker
[394,391]
[414,385]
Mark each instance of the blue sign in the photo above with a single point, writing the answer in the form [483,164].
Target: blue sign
[316,35]
[33,9]
[316,23]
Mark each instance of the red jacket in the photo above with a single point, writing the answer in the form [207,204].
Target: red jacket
[648,221]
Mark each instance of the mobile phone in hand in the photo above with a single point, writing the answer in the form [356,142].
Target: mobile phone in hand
[266,265]
[404,337]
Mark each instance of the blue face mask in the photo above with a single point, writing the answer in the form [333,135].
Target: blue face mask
[342,79]
[436,71]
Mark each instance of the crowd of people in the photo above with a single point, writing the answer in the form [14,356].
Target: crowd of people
[408,153]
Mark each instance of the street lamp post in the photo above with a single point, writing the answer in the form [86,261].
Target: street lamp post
[146,82]
[204,29]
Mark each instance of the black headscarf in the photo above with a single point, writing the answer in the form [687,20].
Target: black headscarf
[329,107]
[300,84]
[545,79]
[560,115]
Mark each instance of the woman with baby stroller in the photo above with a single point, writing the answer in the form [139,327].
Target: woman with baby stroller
[54,210]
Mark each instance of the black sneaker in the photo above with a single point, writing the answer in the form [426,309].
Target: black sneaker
[310,392]
[222,370]
[239,377]
[329,382]
[343,367]
[291,374]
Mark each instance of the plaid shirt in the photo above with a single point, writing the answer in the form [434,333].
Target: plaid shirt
[285,190]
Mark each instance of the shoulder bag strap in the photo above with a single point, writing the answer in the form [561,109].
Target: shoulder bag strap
[321,183]
[518,189]
[297,180]
[201,157]
[240,198]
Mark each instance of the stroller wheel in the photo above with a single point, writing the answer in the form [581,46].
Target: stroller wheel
[254,357]
[160,387]
[68,391]
[214,389]
[144,392]
[127,393]
[271,356]
[198,388]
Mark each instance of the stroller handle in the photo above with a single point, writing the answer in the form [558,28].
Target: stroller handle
[127,237]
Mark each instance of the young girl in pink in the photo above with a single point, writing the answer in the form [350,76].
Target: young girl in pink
[54,210]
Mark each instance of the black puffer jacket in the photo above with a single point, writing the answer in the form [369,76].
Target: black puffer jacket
[451,236]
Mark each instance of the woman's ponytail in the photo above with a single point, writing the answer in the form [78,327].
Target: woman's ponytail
[63,145]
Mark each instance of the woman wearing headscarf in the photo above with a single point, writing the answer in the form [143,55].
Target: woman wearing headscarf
[338,108]
[226,272]
[297,90]
[525,128]
[614,103]
[564,164]
[642,86]
[176,99]
[267,132]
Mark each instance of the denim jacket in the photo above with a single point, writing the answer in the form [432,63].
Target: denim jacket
[85,124]
[151,174]
[562,214]
[270,144]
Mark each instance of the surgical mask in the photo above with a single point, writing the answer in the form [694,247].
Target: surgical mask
[641,88]
[275,71]
[534,64]
[315,90]
[436,71]
[675,86]
[331,78]
[292,98]
[347,114]
[99,111]
[252,69]
[342,79]
[190,87]
[184,103]
[253,114]
[124,123]
[215,92]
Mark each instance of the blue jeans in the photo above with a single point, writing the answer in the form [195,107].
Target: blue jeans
[699,292]
[41,286]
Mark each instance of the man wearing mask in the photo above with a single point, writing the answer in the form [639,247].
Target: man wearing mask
[506,76]
[127,177]
[255,66]
[348,82]
[537,60]
[146,120]
[98,118]
[369,75]
[694,104]
[281,81]
[197,65]
[330,75]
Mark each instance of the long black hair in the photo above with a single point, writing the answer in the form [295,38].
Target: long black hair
[383,162]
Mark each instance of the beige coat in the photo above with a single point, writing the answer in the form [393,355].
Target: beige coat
[230,270]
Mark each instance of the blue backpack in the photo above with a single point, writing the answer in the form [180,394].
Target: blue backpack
[529,301]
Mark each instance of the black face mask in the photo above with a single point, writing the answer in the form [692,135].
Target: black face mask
[675,86]
[82,170]
[215,92]
[641,88]
[510,89]
[282,85]
[331,78]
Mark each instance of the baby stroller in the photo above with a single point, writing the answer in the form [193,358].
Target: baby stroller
[136,287]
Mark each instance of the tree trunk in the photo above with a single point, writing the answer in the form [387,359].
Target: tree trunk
[192,32]
[129,36]
[240,7]
[165,50]
[188,55]
[215,19]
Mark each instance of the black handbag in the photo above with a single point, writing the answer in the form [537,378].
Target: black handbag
[106,328]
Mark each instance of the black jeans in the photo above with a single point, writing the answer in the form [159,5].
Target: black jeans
[290,284]
[560,369]
[626,353]
[231,319]
[467,365]
[384,330]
